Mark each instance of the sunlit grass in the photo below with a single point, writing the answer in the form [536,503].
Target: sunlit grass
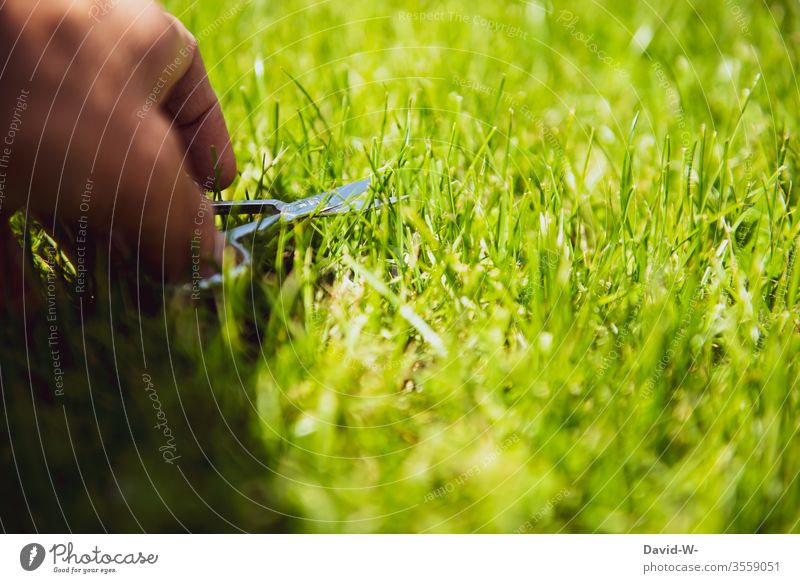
[581,315]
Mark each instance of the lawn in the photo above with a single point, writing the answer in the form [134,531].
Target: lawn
[581,315]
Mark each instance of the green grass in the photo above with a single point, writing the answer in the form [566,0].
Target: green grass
[583,315]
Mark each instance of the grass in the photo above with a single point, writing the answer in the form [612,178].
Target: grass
[582,315]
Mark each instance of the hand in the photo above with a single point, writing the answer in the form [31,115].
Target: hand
[107,122]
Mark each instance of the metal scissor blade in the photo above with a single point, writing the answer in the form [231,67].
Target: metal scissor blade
[290,211]
[324,201]
[337,201]
[248,207]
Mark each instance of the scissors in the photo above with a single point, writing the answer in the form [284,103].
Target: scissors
[338,201]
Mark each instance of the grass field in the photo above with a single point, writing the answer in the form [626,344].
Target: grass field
[582,316]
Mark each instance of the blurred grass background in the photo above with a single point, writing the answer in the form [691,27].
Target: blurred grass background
[582,317]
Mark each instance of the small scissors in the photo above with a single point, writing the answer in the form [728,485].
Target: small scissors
[338,201]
